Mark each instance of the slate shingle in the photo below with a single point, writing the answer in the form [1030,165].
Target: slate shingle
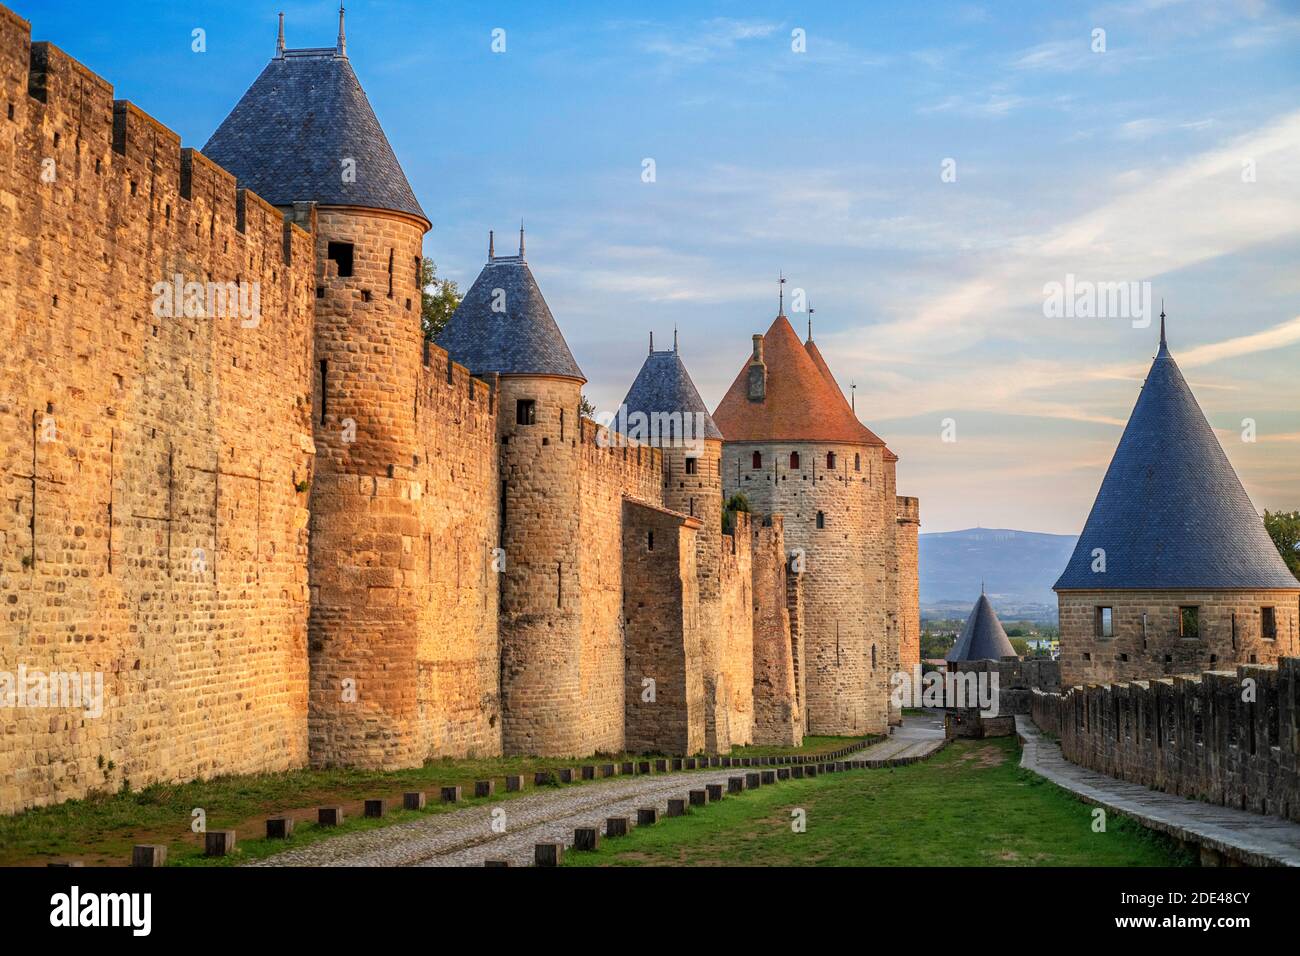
[288,136]
[1171,512]
[982,637]
[664,385]
[520,339]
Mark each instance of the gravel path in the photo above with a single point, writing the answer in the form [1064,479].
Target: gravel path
[510,830]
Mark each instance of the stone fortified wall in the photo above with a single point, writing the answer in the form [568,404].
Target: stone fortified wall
[1223,737]
[153,527]
[1147,639]
[909,584]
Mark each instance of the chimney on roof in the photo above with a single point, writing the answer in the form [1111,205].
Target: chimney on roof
[757,372]
[279,43]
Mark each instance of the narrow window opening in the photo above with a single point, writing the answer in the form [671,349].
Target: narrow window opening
[857,462]
[692,466]
[341,253]
[758,460]
[1268,623]
[526,412]
[390,273]
[365,295]
[794,461]
[1189,622]
[821,519]
[650,541]
[830,461]
[1105,623]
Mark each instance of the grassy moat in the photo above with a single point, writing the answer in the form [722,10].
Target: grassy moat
[969,805]
[101,829]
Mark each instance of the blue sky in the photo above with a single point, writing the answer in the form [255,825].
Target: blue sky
[1122,165]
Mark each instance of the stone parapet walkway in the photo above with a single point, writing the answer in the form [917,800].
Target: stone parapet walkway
[1224,834]
[510,830]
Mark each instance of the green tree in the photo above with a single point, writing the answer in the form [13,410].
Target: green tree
[438,299]
[1284,527]
[1021,646]
[585,408]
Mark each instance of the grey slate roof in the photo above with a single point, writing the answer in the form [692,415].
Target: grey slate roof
[523,339]
[982,638]
[287,137]
[664,385]
[1171,512]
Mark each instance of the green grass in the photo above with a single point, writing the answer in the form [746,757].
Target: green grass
[102,828]
[969,805]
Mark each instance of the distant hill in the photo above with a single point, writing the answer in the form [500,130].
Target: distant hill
[1018,569]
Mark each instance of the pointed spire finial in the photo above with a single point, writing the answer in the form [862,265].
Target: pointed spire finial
[492,246]
[652,343]
[853,397]
[342,48]
[674,336]
[981,585]
[1163,343]
[811,310]
[781,287]
[521,238]
[279,43]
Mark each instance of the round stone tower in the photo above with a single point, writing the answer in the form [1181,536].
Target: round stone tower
[794,447]
[664,409]
[305,138]
[504,332]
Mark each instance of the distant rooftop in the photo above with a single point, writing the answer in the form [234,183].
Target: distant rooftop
[982,638]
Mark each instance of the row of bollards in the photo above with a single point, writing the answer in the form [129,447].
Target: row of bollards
[586,839]
[222,842]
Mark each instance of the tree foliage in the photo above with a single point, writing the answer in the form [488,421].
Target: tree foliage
[438,299]
[1284,528]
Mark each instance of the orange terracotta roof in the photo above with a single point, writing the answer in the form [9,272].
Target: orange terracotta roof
[803,401]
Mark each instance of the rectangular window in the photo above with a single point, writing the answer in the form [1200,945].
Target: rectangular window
[341,252]
[525,412]
[1105,622]
[390,273]
[692,467]
[1189,623]
[1268,623]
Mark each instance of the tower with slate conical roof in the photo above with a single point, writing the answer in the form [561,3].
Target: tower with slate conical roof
[503,331]
[982,638]
[1174,571]
[305,138]
[794,447]
[664,408]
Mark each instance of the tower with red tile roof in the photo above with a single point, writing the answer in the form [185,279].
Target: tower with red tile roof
[794,447]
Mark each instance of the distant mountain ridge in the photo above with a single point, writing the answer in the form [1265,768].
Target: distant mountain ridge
[1018,569]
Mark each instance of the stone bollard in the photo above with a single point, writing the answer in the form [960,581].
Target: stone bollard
[753,780]
[714,790]
[647,816]
[628,768]
[451,794]
[797,772]
[735,785]
[279,828]
[484,788]
[218,842]
[374,808]
[661,766]
[699,798]
[769,776]
[514,783]
[414,800]
[676,806]
[810,770]
[782,773]
[548,854]
[726,761]
[149,854]
[608,770]
[677,763]
[544,778]
[589,772]
[567,775]
[643,766]
[586,838]
[329,816]
[618,826]
[690,763]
